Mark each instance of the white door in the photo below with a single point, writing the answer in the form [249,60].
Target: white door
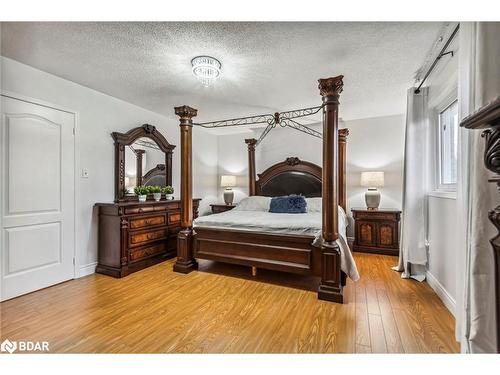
[37,169]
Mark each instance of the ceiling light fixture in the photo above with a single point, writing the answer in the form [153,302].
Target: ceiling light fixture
[207,69]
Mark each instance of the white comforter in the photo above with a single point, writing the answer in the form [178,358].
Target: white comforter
[263,221]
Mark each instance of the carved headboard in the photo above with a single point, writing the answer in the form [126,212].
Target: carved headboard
[155,176]
[293,176]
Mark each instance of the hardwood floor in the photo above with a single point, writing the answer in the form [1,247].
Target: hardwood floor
[211,310]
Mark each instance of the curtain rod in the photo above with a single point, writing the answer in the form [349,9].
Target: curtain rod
[441,54]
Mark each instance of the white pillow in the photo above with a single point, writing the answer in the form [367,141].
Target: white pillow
[314,204]
[254,203]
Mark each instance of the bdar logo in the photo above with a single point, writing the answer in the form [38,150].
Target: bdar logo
[8,346]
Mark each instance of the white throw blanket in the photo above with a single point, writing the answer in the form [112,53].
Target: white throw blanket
[300,224]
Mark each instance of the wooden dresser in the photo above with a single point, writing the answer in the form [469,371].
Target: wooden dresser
[134,235]
[376,231]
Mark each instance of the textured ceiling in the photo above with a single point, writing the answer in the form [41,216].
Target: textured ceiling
[267,67]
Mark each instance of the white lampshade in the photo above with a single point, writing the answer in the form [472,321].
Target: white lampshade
[372,179]
[228,181]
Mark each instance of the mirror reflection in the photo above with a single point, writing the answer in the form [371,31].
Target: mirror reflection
[144,164]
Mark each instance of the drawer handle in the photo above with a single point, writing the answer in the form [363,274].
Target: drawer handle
[140,210]
[150,236]
[149,222]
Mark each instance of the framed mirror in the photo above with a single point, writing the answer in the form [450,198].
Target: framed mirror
[142,157]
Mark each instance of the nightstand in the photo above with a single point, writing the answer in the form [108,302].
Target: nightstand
[218,208]
[376,231]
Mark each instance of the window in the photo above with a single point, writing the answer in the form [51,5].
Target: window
[448,144]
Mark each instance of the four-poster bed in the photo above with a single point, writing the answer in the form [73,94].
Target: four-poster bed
[295,253]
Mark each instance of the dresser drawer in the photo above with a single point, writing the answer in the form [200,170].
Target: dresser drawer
[147,221]
[173,206]
[174,218]
[146,252]
[136,239]
[138,210]
[134,235]
[376,215]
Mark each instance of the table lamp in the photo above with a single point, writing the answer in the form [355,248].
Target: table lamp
[372,180]
[228,182]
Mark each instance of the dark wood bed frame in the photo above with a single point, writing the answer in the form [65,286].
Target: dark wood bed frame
[289,253]
[159,170]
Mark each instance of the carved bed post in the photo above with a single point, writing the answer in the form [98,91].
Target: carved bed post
[251,142]
[138,168]
[342,183]
[330,288]
[487,119]
[185,261]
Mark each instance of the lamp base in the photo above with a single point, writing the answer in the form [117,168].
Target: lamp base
[228,196]
[372,199]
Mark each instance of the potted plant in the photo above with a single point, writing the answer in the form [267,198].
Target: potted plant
[156,191]
[141,192]
[169,192]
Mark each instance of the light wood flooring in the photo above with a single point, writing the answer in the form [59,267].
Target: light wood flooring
[223,309]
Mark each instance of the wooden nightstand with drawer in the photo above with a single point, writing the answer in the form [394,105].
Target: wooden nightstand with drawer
[218,208]
[376,231]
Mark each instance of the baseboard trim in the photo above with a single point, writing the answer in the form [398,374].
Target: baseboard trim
[87,269]
[442,293]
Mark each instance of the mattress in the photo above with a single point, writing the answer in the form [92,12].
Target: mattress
[298,224]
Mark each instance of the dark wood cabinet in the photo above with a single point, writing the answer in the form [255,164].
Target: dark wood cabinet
[376,231]
[134,235]
[218,208]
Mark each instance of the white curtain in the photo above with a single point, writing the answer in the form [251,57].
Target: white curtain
[479,83]
[413,251]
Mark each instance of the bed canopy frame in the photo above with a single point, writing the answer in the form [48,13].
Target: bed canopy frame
[283,119]
[277,173]
[259,249]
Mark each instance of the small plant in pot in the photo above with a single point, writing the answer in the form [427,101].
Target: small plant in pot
[156,191]
[141,192]
[169,192]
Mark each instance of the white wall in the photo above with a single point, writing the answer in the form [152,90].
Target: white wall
[373,144]
[443,245]
[282,143]
[376,144]
[442,214]
[98,116]
[233,160]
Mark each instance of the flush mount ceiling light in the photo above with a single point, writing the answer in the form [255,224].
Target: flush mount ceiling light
[207,69]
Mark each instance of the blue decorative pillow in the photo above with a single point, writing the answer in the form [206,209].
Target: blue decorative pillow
[291,204]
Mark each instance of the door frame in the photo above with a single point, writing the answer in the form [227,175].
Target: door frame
[76,165]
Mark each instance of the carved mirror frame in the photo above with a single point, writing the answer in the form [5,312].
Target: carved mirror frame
[126,139]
